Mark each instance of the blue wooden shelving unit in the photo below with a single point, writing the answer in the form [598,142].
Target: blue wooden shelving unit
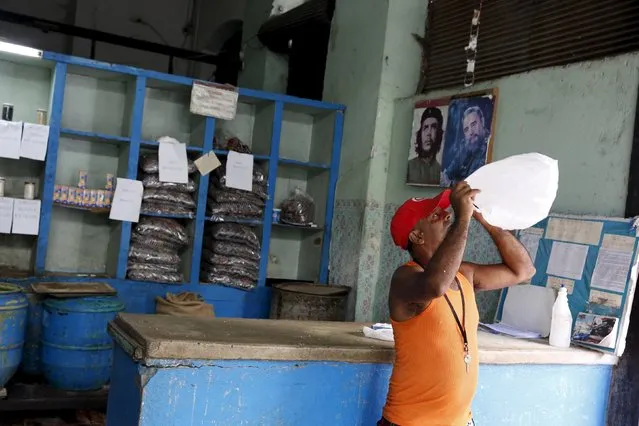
[140,296]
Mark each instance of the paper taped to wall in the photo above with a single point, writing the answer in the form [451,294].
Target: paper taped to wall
[567,260]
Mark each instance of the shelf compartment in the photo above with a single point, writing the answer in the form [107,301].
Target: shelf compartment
[251,222]
[303,164]
[156,144]
[92,136]
[96,210]
[257,157]
[170,216]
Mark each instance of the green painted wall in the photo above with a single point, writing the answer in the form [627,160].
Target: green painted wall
[581,115]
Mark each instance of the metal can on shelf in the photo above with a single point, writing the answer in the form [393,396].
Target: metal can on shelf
[108,196]
[7,112]
[64,193]
[93,201]
[56,194]
[83,177]
[41,116]
[101,195]
[29,190]
[72,197]
[2,183]
[79,197]
[86,197]
[109,182]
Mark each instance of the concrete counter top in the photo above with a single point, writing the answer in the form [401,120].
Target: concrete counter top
[159,337]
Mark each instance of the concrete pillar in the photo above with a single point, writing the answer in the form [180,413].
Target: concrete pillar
[373,60]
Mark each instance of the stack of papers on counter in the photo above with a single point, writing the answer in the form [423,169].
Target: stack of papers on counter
[500,328]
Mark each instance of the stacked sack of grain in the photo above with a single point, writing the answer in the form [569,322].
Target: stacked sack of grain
[231,256]
[224,202]
[155,249]
[166,197]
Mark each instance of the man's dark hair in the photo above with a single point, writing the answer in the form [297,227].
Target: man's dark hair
[430,112]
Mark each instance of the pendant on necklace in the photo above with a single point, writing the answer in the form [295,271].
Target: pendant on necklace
[467,359]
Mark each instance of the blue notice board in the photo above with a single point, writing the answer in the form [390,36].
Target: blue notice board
[595,258]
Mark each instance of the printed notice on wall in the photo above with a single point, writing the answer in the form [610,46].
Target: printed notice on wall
[530,238]
[127,200]
[574,231]
[207,163]
[556,283]
[172,162]
[611,270]
[35,138]
[10,136]
[567,260]
[214,100]
[6,215]
[26,217]
[618,243]
[239,171]
[603,298]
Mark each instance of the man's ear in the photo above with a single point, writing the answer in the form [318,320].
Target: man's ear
[416,237]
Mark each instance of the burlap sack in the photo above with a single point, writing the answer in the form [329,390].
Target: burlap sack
[184,304]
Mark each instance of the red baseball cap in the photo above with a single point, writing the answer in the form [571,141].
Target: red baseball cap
[411,212]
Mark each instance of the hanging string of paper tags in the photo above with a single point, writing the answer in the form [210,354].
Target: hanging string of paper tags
[471,48]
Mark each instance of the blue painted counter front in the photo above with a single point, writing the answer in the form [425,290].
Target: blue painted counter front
[179,392]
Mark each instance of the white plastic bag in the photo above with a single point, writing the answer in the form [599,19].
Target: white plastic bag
[516,192]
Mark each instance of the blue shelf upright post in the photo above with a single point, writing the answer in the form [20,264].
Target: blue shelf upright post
[272,178]
[330,201]
[55,123]
[200,215]
[132,168]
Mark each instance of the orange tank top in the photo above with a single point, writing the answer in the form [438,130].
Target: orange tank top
[429,384]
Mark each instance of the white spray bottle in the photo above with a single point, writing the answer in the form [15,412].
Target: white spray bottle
[561,325]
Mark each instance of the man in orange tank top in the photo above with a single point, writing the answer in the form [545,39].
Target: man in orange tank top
[433,310]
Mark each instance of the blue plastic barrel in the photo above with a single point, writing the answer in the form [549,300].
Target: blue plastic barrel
[76,349]
[31,352]
[13,320]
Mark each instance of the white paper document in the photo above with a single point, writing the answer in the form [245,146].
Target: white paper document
[618,242]
[510,331]
[26,217]
[239,171]
[556,283]
[530,238]
[127,200]
[611,270]
[575,231]
[213,100]
[6,215]
[35,138]
[207,163]
[528,308]
[10,136]
[173,164]
[567,260]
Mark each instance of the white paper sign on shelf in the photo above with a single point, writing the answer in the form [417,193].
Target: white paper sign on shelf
[214,100]
[127,200]
[173,164]
[35,138]
[207,163]
[26,217]
[10,136]
[239,171]
[6,215]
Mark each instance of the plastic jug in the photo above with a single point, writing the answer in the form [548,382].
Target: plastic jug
[516,192]
[561,325]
